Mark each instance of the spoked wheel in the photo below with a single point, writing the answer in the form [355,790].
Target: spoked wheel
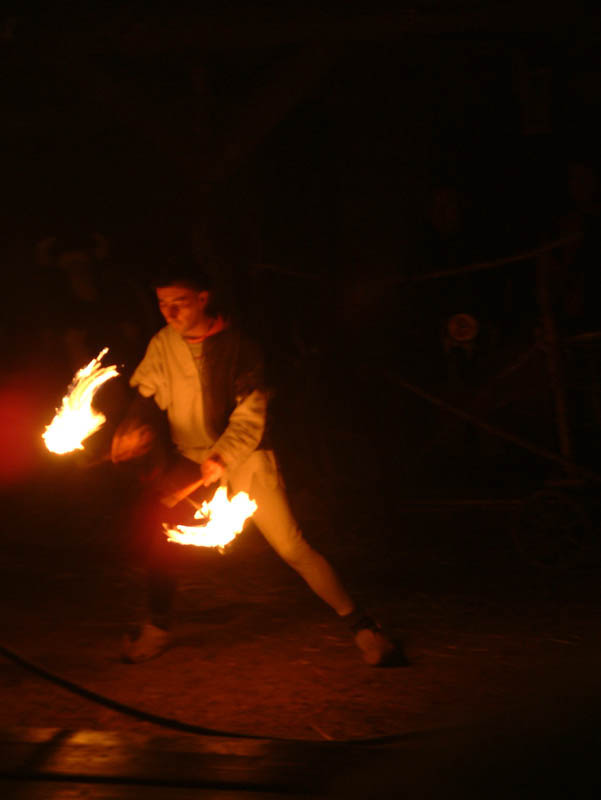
[554,530]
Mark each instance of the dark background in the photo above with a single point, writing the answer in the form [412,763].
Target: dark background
[319,159]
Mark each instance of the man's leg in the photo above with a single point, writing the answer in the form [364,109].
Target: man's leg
[159,558]
[276,522]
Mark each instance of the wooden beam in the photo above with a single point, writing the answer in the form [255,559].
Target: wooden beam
[47,756]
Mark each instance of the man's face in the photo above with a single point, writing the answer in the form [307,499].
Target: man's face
[184,309]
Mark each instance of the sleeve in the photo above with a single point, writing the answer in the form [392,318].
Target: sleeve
[150,378]
[144,411]
[244,430]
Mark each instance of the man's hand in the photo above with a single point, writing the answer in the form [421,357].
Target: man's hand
[131,440]
[211,470]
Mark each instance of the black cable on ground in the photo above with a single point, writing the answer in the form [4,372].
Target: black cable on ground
[169,722]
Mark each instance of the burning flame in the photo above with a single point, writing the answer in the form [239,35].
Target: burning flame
[76,420]
[223,521]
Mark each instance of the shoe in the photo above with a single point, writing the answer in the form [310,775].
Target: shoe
[377,649]
[149,643]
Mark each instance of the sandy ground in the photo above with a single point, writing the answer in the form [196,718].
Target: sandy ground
[502,658]
[486,636]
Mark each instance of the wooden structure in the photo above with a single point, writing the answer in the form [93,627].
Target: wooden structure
[554,528]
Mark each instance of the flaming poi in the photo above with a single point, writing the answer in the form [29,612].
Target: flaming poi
[76,420]
[222,520]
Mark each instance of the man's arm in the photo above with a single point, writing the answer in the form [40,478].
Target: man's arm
[137,432]
[243,433]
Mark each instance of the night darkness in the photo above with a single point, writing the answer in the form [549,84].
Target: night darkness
[323,165]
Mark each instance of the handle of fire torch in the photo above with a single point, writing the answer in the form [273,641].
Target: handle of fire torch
[176,497]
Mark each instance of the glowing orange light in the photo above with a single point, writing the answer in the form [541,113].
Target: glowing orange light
[76,420]
[223,520]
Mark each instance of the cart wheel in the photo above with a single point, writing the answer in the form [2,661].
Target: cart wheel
[553,530]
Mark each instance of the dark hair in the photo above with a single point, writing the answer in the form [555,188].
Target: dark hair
[176,270]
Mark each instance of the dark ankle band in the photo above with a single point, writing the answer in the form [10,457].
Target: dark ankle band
[359,620]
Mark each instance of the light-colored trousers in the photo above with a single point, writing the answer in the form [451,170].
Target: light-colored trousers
[260,477]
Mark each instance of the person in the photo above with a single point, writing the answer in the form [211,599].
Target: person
[205,376]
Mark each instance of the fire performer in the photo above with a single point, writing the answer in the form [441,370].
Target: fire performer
[206,377]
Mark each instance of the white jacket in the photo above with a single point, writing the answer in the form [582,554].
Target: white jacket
[169,374]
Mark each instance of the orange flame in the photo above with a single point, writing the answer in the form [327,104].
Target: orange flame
[76,420]
[223,521]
